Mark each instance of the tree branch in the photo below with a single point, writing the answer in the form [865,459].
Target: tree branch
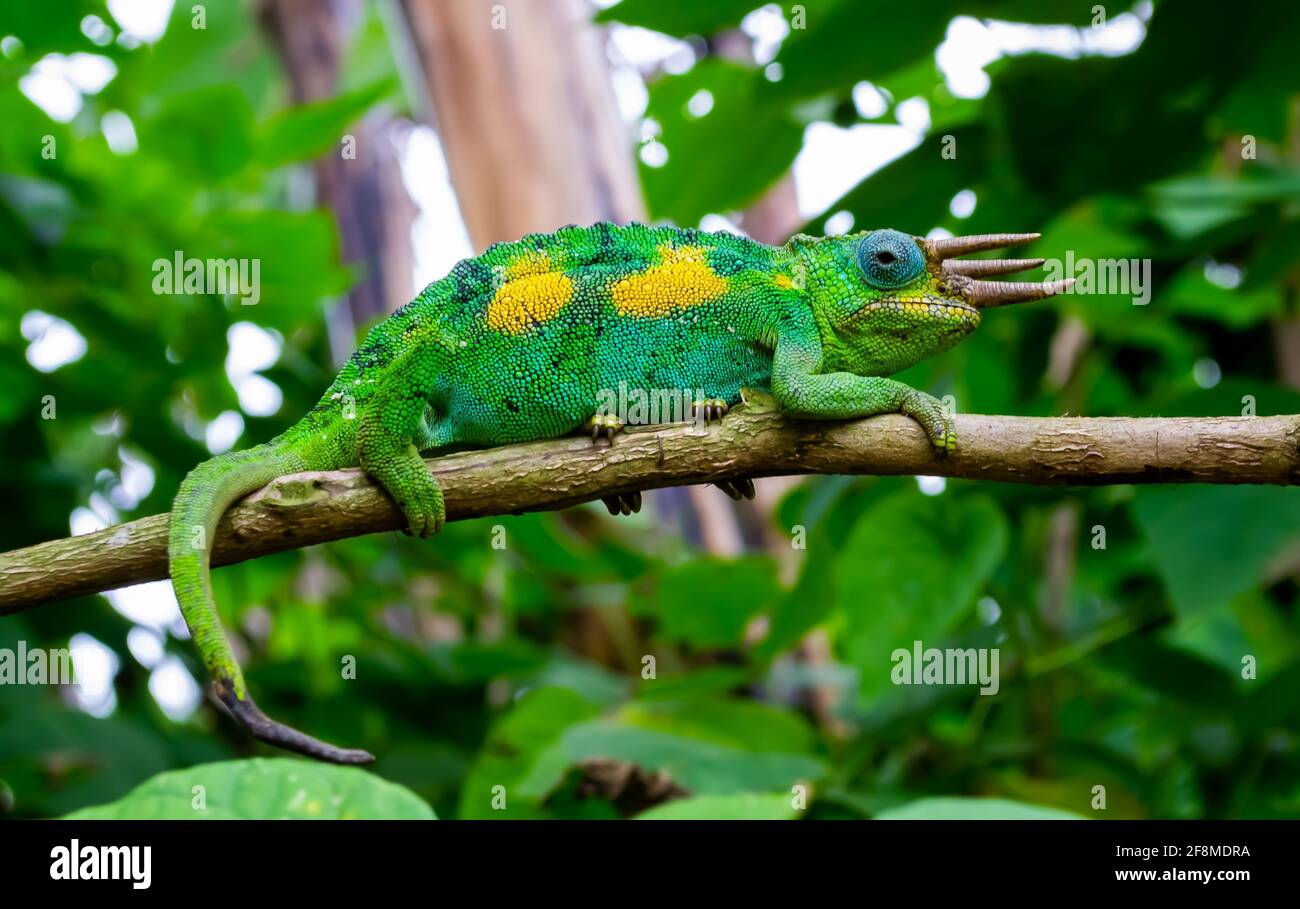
[309,508]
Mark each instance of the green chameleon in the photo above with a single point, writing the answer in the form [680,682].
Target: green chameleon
[525,340]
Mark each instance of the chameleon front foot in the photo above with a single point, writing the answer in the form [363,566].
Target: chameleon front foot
[935,419]
[737,489]
[623,503]
[709,409]
[604,425]
[267,730]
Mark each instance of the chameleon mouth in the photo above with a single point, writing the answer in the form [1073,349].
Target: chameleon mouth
[964,275]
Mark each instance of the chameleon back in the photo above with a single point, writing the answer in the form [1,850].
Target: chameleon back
[539,334]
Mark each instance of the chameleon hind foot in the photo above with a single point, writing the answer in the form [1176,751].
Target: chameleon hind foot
[606,425]
[405,477]
[424,508]
[737,489]
[624,503]
[267,730]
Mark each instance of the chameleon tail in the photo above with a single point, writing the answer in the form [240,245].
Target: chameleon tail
[204,496]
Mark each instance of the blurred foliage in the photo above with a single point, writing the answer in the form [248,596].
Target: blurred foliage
[524,667]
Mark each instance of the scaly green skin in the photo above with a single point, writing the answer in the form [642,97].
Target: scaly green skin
[521,342]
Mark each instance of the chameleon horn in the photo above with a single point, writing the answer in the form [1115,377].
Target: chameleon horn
[951,247]
[986,294]
[976,268]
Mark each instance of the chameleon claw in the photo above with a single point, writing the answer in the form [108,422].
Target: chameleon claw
[939,425]
[424,509]
[944,437]
[742,488]
[623,503]
[604,424]
[267,730]
[710,409]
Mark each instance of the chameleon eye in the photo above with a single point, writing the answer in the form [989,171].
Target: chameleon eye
[889,259]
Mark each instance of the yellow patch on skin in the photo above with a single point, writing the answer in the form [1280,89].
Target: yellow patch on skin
[529,262]
[533,293]
[785,282]
[681,279]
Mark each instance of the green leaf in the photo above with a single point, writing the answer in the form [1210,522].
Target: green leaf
[741,806]
[1251,626]
[512,749]
[265,789]
[1180,677]
[973,809]
[54,27]
[911,569]
[725,721]
[297,259]
[708,602]
[726,158]
[1211,543]
[800,610]
[1209,189]
[679,17]
[310,129]
[843,44]
[1054,150]
[838,43]
[699,766]
[1274,255]
[207,133]
[1192,293]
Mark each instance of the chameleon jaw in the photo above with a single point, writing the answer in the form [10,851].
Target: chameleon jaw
[964,275]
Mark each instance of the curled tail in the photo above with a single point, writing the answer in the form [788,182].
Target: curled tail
[204,496]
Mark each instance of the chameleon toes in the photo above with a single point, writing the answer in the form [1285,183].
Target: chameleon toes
[943,436]
[606,426]
[425,514]
[709,409]
[946,444]
[422,504]
[623,503]
[738,489]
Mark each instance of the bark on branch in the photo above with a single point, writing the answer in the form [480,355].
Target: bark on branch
[309,508]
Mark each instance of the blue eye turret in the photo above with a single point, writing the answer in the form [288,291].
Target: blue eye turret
[889,259]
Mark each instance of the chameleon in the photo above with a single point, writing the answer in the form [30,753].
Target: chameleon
[520,342]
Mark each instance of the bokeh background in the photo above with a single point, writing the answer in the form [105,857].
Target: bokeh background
[358,148]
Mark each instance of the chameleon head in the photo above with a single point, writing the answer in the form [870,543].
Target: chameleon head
[899,299]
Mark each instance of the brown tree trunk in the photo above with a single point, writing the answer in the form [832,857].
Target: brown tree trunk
[525,109]
[365,192]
